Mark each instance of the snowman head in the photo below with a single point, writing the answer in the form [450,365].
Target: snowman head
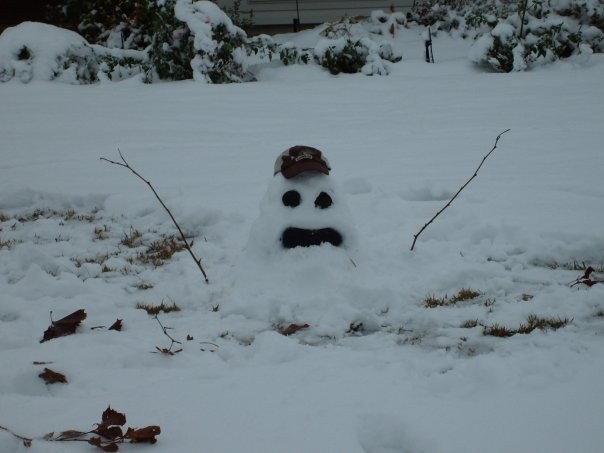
[306,190]
[302,207]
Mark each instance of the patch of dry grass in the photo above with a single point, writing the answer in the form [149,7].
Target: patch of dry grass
[462,296]
[161,251]
[157,309]
[533,322]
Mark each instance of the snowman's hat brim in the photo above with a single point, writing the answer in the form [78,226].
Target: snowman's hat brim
[299,159]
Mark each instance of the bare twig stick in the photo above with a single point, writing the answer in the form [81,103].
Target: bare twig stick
[125,164]
[165,329]
[415,236]
[26,440]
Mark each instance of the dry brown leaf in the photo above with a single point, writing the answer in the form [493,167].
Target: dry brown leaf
[117,325]
[109,432]
[586,278]
[52,377]
[293,328]
[113,417]
[97,442]
[142,435]
[64,326]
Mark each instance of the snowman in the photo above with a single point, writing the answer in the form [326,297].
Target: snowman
[298,265]
[302,206]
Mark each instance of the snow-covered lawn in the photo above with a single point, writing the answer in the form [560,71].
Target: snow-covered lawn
[376,370]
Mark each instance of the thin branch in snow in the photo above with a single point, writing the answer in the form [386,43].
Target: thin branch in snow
[26,440]
[415,236]
[167,350]
[125,164]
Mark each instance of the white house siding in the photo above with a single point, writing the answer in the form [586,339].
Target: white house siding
[276,12]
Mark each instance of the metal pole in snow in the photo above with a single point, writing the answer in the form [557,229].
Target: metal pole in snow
[297,19]
[429,52]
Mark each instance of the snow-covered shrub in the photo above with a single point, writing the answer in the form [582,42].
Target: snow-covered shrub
[198,40]
[235,14]
[146,25]
[500,49]
[512,47]
[349,48]
[428,13]
[125,24]
[220,47]
[351,55]
[171,49]
[290,54]
[387,23]
[513,35]
[184,39]
[38,51]
[342,55]
[116,66]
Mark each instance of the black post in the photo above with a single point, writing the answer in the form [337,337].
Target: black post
[428,44]
[297,19]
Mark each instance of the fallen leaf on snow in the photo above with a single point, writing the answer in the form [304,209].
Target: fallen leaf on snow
[52,377]
[293,328]
[64,326]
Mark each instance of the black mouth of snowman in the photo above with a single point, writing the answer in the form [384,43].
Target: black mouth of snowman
[303,237]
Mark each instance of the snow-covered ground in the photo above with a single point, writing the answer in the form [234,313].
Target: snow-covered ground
[376,370]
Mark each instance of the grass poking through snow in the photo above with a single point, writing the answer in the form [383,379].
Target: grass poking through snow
[462,296]
[533,322]
[157,309]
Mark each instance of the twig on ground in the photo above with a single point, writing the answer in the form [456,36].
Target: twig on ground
[26,440]
[173,341]
[415,236]
[182,235]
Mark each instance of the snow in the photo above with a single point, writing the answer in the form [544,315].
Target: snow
[411,379]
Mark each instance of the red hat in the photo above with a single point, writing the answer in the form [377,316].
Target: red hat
[298,159]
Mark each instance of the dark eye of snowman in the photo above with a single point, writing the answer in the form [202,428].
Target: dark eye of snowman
[291,198]
[323,201]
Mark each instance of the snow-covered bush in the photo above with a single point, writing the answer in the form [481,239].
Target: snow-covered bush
[116,65]
[290,54]
[198,40]
[171,49]
[386,23]
[500,49]
[544,37]
[350,55]
[220,47]
[38,51]
[35,51]
[349,48]
[517,35]
[184,39]
[432,14]
[125,24]
[245,22]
